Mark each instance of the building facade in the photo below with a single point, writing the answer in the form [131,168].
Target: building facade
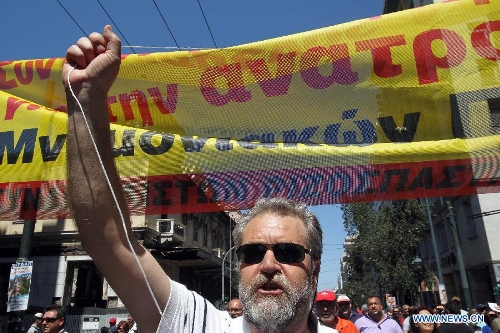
[478,229]
[189,247]
[477,226]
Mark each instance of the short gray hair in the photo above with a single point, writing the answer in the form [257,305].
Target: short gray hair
[285,207]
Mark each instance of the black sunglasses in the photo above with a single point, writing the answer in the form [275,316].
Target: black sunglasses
[49,320]
[285,253]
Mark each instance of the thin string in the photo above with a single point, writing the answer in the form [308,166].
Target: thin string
[167,47]
[109,16]
[114,196]
[206,22]
[60,4]
[166,25]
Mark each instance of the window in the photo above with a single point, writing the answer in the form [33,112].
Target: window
[196,226]
[470,220]
[443,239]
[423,250]
[205,234]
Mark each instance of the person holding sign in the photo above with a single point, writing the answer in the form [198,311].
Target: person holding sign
[279,242]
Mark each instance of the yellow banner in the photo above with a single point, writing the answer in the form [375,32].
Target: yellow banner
[366,110]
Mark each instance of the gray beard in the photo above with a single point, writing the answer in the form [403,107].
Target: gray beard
[276,313]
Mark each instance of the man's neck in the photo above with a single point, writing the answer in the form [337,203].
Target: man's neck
[346,315]
[303,329]
[377,318]
[302,326]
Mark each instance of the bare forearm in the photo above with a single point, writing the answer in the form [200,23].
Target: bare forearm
[103,221]
[91,198]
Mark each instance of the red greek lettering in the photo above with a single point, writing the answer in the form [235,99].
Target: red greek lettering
[166,106]
[142,104]
[274,85]
[380,48]
[43,70]
[236,88]
[28,67]
[425,59]
[13,104]
[341,66]
[4,83]
[481,40]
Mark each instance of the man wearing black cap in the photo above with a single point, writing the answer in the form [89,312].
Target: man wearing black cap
[326,309]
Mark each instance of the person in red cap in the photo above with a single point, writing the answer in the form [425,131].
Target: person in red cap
[112,325]
[326,309]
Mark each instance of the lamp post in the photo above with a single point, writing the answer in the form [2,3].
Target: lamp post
[417,263]
[222,271]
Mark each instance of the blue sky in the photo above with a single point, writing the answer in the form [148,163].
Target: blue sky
[42,29]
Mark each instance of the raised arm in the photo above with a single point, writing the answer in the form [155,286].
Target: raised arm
[96,62]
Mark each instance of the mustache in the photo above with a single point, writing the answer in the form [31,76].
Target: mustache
[277,280]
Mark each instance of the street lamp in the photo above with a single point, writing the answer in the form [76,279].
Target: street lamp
[417,263]
[222,271]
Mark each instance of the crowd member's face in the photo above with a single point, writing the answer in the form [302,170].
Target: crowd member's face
[374,307]
[492,315]
[396,312]
[326,312]
[406,310]
[235,308]
[424,327]
[344,310]
[51,323]
[130,321]
[276,295]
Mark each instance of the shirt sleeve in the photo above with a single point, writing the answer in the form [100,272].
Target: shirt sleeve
[406,324]
[187,312]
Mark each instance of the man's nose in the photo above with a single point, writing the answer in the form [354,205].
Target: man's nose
[269,263]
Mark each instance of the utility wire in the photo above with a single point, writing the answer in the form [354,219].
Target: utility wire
[206,22]
[125,39]
[166,25]
[60,4]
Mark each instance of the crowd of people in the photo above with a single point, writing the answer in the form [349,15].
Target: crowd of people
[333,311]
[53,320]
[279,241]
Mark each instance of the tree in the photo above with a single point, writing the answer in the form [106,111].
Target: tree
[386,242]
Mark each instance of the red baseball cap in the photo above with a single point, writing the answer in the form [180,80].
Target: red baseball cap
[326,295]
[112,320]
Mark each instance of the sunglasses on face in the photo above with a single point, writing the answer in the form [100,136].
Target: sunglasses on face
[285,253]
[49,320]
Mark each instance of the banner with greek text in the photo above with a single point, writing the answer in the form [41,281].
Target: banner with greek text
[398,106]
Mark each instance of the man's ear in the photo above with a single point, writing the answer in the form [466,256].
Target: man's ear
[317,265]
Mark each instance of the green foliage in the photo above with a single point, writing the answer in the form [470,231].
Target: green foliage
[386,242]
[235,280]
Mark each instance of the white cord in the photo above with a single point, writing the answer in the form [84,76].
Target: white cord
[166,47]
[114,196]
